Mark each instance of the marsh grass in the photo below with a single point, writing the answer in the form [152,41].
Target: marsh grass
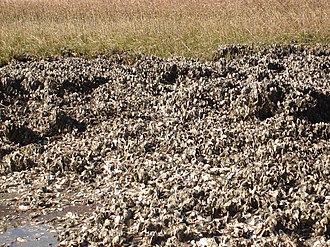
[160,27]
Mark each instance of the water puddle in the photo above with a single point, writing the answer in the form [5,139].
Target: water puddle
[31,231]
[28,236]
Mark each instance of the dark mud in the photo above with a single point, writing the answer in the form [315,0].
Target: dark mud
[170,151]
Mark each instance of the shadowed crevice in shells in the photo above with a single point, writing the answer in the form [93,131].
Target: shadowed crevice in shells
[305,228]
[4,151]
[149,147]
[325,66]
[185,236]
[264,109]
[318,110]
[280,227]
[264,100]
[11,87]
[327,232]
[63,123]
[170,75]
[17,162]
[276,66]
[80,85]
[21,134]
[158,239]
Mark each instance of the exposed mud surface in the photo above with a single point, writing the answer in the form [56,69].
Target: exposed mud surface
[170,151]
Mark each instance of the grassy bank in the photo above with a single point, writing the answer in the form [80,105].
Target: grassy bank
[165,28]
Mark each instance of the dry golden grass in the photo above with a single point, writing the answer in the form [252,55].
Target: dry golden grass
[160,27]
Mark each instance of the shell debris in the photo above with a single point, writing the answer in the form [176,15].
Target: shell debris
[138,151]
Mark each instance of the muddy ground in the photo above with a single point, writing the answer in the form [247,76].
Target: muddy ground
[138,150]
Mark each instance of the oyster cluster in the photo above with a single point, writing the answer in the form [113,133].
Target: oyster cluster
[171,152]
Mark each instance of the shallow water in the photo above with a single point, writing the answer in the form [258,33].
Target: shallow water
[28,236]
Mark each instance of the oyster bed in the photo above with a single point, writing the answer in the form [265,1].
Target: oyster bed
[150,151]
